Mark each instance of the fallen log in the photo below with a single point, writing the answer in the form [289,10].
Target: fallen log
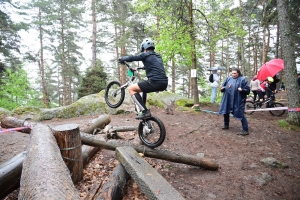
[151,183]
[98,123]
[109,128]
[111,132]
[113,188]
[44,174]
[68,139]
[152,153]
[10,173]
[88,153]
[12,122]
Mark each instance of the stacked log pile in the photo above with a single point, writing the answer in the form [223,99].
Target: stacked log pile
[51,164]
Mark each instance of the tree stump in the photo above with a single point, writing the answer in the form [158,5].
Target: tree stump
[69,142]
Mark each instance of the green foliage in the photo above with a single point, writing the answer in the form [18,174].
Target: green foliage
[284,124]
[93,82]
[185,102]
[9,36]
[26,110]
[15,90]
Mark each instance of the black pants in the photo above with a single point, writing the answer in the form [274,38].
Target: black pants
[261,96]
[254,94]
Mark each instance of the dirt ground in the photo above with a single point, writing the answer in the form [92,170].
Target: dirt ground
[241,174]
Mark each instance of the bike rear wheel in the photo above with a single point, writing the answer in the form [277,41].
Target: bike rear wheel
[114,95]
[250,106]
[276,112]
[152,132]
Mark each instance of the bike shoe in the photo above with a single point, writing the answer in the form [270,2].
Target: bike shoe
[144,115]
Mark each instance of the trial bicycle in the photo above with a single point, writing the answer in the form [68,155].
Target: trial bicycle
[151,131]
[251,105]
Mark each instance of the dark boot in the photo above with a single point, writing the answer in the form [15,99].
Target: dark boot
[225,127]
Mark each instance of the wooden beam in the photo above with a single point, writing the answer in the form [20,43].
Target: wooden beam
[151,183]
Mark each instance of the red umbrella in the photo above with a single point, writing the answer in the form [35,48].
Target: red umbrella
[270,69]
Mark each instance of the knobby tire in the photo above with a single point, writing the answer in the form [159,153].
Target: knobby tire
[276,112]
[154,138]
[114,95]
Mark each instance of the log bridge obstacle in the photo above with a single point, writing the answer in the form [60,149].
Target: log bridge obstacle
[55,159]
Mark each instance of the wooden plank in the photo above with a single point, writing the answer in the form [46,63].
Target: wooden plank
[151,183]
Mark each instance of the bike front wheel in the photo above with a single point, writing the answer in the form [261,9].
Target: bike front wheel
[114,94]
[152,132]
[250,106]
[276,112]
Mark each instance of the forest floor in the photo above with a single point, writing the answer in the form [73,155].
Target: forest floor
[241,175]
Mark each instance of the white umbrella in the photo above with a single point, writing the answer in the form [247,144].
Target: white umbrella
[216,68]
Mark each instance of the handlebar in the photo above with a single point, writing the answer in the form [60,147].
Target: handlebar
[133,69]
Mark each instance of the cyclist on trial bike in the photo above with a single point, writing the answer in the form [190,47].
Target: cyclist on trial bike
[155,72]
[261,92]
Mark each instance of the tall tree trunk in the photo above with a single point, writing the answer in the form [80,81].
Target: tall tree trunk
[173,76]
[123,69]
[69,77]
[227,56]
[58,88]
[212,58]
[193,56]
[117,52]
[265,46]
[123,49]
[94,34]
[290,70]
[250,72]
[41,65]
[277,41]
[63,62]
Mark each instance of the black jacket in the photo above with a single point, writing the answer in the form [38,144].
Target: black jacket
[153,64]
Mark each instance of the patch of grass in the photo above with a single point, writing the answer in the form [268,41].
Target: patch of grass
[185,102]
[284,124]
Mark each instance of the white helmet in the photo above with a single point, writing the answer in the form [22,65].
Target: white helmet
[146,44]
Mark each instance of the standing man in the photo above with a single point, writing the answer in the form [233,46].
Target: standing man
[214,86]
[235,90]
